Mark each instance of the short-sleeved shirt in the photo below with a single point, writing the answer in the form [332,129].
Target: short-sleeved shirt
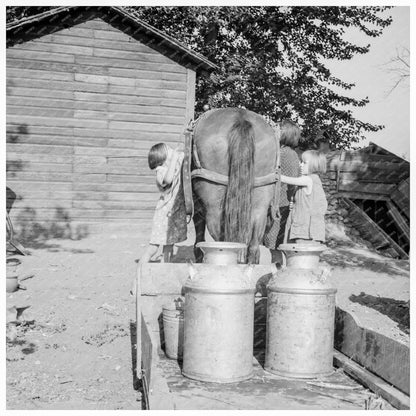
[289,165]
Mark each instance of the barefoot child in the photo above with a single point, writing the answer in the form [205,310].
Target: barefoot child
[306,221]
[169,220]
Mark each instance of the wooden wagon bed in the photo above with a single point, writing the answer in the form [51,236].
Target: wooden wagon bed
[264,391]
[166,388]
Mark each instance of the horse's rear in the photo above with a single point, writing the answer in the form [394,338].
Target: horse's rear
[238,152]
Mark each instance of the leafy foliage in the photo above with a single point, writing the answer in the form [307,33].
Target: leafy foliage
[271,61]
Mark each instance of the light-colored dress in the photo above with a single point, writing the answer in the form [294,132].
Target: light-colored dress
[169,220]
[308,217]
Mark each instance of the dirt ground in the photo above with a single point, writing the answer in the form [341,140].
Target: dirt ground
[71,333]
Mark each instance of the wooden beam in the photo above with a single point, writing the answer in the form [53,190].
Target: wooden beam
[370,188]
[383,356]
[374,231]
[395,397]
[371,157]
[401,196]
[399,220]
[362,195]
[156,391]
[382,175]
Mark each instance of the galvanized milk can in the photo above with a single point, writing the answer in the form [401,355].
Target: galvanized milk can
[218,323]
[300,315]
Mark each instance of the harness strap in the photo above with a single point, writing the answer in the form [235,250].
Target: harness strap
[212,176]
[186,172]
[191,155]
[275,211]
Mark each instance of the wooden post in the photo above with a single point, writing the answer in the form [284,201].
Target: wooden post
[138,324]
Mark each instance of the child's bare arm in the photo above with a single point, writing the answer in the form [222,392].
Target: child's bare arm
[299,181]
[160,176]
[168,178]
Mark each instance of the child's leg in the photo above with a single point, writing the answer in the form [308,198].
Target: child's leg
[167,253]
[158,255]
[149,252]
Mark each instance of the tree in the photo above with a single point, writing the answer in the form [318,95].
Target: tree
[399,66]
[270,61]
[15,13]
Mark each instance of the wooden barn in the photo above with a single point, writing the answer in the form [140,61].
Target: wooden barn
[373,185]
[89,91]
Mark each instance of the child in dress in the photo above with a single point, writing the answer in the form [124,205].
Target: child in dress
[307,218]
[169,220]
[289,166]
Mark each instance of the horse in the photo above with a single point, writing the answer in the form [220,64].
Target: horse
[235,178]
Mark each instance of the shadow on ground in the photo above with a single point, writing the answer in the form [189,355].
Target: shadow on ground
[54,248]
[396,310]
[344,257]
[33,233]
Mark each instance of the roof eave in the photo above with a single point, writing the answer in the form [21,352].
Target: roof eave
[197,61]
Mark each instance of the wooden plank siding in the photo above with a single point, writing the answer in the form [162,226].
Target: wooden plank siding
[371,176]
[84,106]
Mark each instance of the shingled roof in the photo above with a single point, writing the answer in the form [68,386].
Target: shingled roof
[65,17]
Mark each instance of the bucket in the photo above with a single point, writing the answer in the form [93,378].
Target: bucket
[172,315]
[12,283]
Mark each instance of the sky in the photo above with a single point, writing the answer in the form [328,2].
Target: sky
[373,80]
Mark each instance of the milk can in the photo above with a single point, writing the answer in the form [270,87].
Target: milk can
[218,323]
[300,315]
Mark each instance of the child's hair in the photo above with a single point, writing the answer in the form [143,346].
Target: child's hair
[289,133]
[157,155]
[316,161]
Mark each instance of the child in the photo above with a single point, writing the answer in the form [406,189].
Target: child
[306,221]
[169,221]
[289,164]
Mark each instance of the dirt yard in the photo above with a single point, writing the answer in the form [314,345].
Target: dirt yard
[71,333]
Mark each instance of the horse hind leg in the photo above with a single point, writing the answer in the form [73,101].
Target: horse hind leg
[253,252]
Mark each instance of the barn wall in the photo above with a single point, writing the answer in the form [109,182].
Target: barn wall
[84,105]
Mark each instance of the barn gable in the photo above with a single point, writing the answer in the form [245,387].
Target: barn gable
[373,185]
[88,94]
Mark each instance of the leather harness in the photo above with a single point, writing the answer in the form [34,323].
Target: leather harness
[209,175]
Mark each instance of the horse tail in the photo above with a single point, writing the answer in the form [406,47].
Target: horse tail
[238,197]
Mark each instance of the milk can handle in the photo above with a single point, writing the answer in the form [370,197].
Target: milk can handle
[191,268]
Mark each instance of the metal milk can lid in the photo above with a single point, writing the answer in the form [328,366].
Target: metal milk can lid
[213,278]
